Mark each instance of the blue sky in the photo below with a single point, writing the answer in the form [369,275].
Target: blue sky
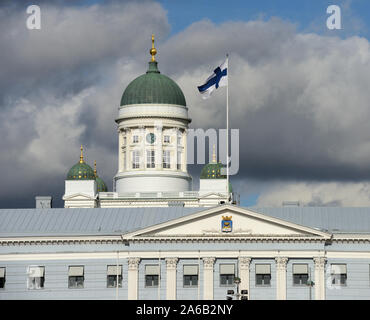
[308,15]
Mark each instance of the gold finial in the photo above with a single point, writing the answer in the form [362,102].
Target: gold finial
[95,172]
[82,155]
[153,51]
[214,154]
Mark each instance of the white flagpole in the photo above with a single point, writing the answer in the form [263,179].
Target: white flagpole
[227,129]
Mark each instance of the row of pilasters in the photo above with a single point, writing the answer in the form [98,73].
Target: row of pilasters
[244,275]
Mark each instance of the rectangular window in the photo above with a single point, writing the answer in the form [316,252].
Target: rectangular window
[166,159]
[2,278]
[339,274]
[112,273]
[178,140]
[300,274]
[166,139]
[178,160]
[227,274]
[135,139]
[151,276]
[150,159]
[135,159]
[190,276]
[76,277]
[124,140]
[36,277]
[263,274]
[124,161]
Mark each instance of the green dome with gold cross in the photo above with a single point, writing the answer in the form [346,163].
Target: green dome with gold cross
[81,170]
[153,87]
[212,170]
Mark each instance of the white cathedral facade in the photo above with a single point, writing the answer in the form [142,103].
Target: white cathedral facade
[153,237]
[152,154]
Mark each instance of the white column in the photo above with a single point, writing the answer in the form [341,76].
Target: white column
[244,268]
[319,278]
[158,130]
[184,164]
[171,264]
[120,145]
[128,149]
[208,264]
[142,136]
[281,263]
[132,281]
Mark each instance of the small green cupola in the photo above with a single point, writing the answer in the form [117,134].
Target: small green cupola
[153,87]
[81,170]
[212,170]
[100,184]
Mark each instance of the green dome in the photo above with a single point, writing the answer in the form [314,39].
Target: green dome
[101,186]
[212,171]
[153,87]
[81,171]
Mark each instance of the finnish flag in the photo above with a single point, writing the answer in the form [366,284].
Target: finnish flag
[217,79]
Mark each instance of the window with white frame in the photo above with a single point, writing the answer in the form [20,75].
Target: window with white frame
[300,274]
[178,160]
[166,159]
[135,159]
[227,274]
[124,160]
[166,139]
[191,274]
[124,140]
[179,139]
[150,159]
[76,277]
[36,277]
[151,276]
[135,139]
[339,274]
[263,274]
[114,273]
[2,277]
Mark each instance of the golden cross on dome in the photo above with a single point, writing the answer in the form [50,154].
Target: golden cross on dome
[214,160]
[153,51]
[95,172]
[82,155]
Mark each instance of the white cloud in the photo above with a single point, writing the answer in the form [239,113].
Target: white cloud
[316,194]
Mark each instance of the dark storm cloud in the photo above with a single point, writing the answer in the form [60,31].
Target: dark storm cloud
[60,87]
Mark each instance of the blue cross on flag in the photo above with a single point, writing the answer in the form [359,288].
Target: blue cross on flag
[217,79]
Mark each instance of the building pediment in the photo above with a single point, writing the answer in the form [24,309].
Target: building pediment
[212,195]
[228,221]
[78,196]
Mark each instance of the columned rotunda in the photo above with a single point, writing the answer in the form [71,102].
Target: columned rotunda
[152,153]
[152,123]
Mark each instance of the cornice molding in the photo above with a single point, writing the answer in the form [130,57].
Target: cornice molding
[153,239]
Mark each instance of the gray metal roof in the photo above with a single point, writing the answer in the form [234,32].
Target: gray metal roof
[332,219]
[84,221]
[104,221]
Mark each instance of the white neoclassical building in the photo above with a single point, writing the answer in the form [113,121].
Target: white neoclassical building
[168,253]
[153,237]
